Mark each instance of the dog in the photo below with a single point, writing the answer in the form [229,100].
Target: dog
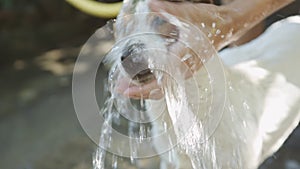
[237,119]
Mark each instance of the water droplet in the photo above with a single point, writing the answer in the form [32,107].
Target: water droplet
[231,108]
[246,25]
[142,132]
[186,57]
[245,105]
[229,83]
[244,123]
[229,34]
[170,40]
[213,25]
[132,160]
[114,162]
[165,126]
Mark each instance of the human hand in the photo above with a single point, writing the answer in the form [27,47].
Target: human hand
[215,21]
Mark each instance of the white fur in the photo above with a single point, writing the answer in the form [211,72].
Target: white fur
[264,75]
[262,99]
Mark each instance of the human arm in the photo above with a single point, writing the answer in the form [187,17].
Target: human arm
[233,19]
[246,14]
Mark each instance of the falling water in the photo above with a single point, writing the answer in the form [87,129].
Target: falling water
[185,132]
[179,128]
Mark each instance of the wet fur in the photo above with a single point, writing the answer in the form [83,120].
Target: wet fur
[264,73]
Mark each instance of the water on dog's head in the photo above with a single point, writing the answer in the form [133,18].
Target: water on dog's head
[168,131]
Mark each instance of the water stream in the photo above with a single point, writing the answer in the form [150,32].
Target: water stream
[176,130]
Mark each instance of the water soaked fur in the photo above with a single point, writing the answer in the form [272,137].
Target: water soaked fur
[261,100]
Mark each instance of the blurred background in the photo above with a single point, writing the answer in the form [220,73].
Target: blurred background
[39,43]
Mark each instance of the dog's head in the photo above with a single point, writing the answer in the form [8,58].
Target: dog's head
[145,45]
[142,42]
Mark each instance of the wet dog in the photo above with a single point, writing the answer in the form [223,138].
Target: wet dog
[236,122]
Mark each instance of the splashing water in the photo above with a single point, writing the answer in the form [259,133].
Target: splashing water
[176,122]
[176,131]
[186,127]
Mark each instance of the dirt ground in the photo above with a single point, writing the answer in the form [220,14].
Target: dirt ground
[39,42]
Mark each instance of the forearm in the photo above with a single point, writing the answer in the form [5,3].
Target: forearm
[233,20]
[244,14]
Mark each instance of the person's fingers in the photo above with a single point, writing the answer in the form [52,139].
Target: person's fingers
[157,5]
[172,7]
[166,6]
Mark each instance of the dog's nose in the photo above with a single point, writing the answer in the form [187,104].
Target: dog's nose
[132,50]
[135,64]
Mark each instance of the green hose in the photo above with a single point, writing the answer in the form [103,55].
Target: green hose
[98,9]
